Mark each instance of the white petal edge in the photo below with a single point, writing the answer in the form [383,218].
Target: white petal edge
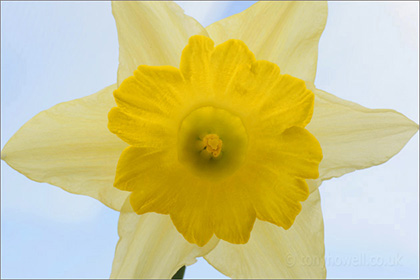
[273,252]
[150,247]
[70,146]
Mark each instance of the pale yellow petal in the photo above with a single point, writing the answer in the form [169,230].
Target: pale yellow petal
[313,184]
[70,146]
[353,137]
[151,247]
[151,33]
[273,252]
[286,33]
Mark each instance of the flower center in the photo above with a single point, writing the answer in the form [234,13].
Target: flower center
[212,142]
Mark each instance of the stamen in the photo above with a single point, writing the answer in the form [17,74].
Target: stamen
[212,144]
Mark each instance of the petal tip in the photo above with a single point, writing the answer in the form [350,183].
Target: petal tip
[4,154]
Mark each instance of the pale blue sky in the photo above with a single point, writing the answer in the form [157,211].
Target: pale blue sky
[57,51]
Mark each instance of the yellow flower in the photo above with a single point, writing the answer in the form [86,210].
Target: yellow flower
[217,143]
[71,147]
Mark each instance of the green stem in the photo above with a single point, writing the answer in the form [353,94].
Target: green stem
[180,273]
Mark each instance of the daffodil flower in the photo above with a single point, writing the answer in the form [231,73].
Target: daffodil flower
[212,143]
